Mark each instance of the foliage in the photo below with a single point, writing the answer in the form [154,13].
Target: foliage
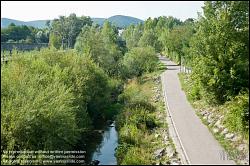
[68,28]
[132,35]
[234,114]
[100,45]
[137,156]
[48,99]
[152,33]
[129,133]
[218,54]
[121,151]
[190,86]
[237,117]
[148,38]
[138,61]
[220,48]
[134,123]
[37,110]
[42,36]
[109,33]
[55,41]
[25,34]
[177,41]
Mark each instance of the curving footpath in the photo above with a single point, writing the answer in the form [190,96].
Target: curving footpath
[194,142]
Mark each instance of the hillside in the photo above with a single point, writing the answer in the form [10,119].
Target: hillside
[118,20]
[124,21]
[98,20]
[37,23]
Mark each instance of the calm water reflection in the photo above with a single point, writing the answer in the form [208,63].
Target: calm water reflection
[105,152]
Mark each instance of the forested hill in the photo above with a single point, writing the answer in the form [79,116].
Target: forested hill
[124,21]
[5,22]
[118,20]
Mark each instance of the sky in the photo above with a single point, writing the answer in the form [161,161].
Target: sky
[44,10]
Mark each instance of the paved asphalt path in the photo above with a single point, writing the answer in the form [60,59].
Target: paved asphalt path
[197,143]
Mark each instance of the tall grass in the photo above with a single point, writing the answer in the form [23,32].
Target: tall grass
[135,123]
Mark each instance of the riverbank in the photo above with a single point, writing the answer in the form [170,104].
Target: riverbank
[142,127]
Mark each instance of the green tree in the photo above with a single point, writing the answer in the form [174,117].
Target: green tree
[177,41]
[138,61]
[101,46]
[132,35]
[221,49]
[68,28]
[54,40]
[16,33]
[109,32]
[49,100]
[149,36]
[42,36]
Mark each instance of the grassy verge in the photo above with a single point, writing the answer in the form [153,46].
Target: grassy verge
[236,144]
[142,127]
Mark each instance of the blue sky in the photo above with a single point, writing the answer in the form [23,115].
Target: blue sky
[40,10]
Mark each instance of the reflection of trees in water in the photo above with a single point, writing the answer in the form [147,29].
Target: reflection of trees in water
[105,137]
[96,140]
[93,143]
[107,134]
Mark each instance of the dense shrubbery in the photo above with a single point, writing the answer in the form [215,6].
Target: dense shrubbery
[134,124]
[64,30]
[237,117]
[51,98]
[132,35]
[48,99]
[24,34]
[192,88]
[101,45]
[137,156]
[222,66]
[139,60]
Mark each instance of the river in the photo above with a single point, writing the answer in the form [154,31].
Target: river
[106,152]
[103,146]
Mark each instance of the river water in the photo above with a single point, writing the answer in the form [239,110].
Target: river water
[102,146]
[105,153]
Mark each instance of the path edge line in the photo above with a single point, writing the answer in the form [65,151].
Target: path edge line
[184,153]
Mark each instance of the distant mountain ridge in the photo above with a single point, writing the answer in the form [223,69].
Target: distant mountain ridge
[118,20]
[124,21]
[5,22]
